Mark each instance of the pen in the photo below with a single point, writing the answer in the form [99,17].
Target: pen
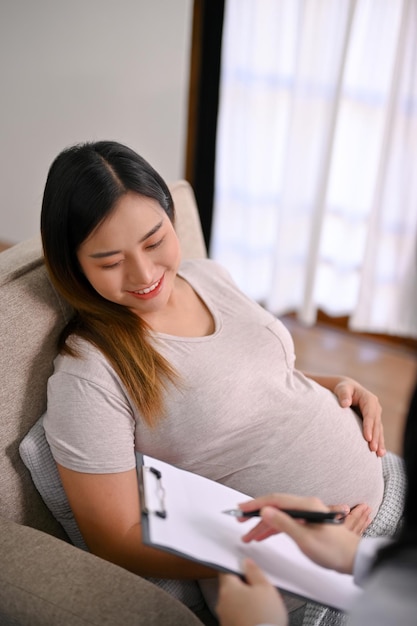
[316,517]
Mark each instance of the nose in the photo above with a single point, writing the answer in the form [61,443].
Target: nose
[140,270]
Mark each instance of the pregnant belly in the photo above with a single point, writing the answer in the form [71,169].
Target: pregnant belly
[328,458]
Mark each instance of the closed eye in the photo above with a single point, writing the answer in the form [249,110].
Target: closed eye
[111,265]
[152,246]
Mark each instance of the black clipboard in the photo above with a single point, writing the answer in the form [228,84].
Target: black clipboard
[181,513]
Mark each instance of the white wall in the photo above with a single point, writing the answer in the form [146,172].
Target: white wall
[77,70]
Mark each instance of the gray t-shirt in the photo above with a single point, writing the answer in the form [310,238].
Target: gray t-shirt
[242,414]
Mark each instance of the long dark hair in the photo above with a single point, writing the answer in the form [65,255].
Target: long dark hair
[83,185]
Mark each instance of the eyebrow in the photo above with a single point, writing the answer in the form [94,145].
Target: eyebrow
[103,255]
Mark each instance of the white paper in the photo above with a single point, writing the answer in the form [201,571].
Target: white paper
[196,528]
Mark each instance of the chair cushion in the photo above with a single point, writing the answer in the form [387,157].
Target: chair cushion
[36,455]
[47,582]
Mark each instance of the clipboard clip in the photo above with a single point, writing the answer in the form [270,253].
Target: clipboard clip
[160,493]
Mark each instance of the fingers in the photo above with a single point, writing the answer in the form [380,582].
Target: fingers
[273,521]
[264,530]
[351,393]
[344,391]
[230,580]
[255,601]
[279,520]
[259,532]
[358,519]
[345,508]
[381,449]
[329,545]
[376,442]
[284,501]
[373,429]
[253,574]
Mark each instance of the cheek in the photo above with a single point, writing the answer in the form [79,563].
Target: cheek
[100,282]
[175,252]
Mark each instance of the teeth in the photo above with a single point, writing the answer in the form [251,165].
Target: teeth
[141,292]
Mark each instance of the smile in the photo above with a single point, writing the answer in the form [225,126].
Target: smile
[149,292]
[142,292]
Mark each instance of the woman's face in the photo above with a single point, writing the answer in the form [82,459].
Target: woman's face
[132,257]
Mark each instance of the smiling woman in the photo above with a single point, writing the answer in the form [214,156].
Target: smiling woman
[170,358]
[75,222]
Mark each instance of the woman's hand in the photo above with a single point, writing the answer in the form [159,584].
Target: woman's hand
[249,603]
[358,518]
[351,394]
[330,545]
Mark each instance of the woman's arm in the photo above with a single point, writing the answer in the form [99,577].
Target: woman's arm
[107,510]
[351,394]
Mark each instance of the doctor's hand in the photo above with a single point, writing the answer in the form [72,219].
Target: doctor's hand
[249,603]
[330,545]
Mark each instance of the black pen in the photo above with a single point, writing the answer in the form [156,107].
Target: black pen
[315,517]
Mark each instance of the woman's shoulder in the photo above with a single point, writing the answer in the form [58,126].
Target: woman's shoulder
[85,362]
[80,349]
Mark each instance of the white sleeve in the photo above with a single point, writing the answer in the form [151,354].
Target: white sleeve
[365,557]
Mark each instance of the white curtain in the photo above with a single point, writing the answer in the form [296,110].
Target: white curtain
[316,165]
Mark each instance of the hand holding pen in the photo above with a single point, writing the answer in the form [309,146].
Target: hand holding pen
[312,517]
[330,545]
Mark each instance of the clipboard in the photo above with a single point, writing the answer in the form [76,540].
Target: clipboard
[182,515]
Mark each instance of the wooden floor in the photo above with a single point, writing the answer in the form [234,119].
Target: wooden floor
[4,245]
[387,369]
